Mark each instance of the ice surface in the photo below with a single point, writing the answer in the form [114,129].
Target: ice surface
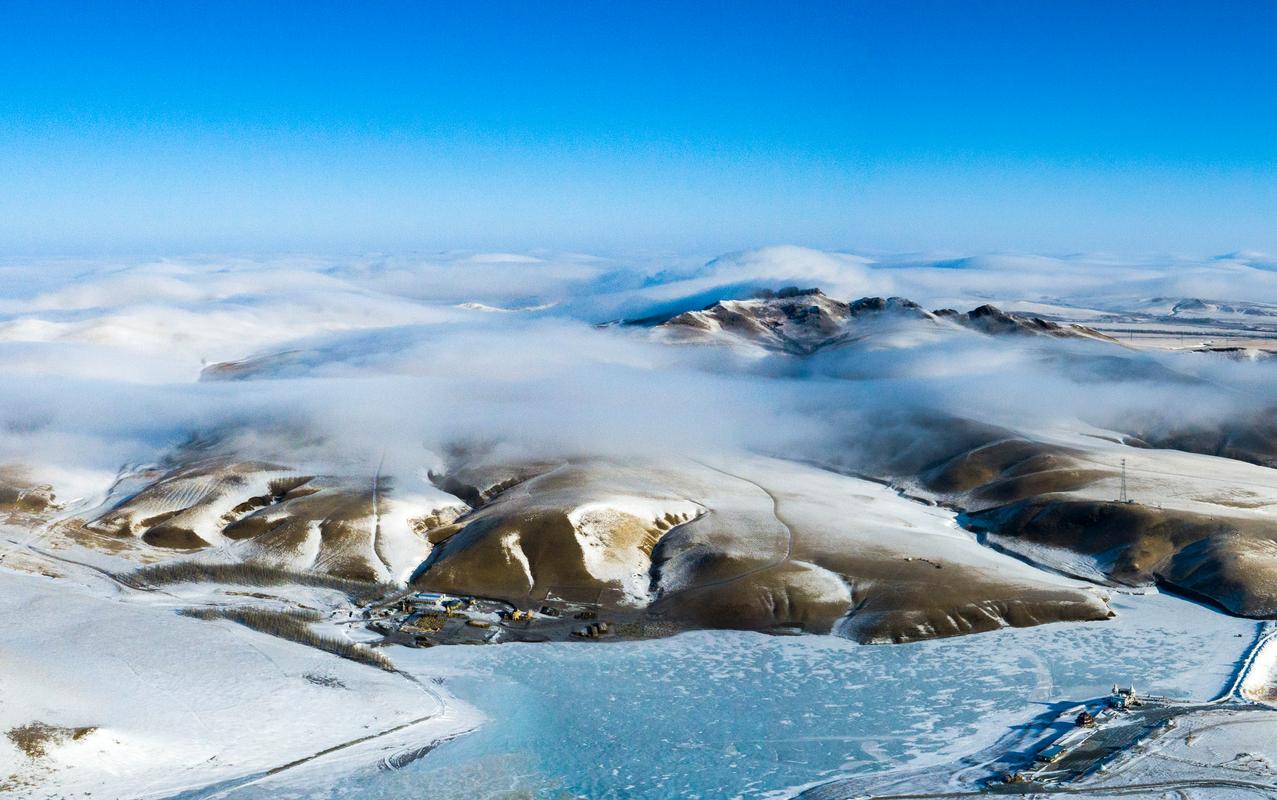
[728,714]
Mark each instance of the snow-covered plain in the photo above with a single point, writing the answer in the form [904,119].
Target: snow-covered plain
[1211,755]
[175,703]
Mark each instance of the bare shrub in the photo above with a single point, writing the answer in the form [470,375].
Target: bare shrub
[35,738]
[293,625]
[249,574]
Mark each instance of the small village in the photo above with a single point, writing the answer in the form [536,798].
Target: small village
[1096,733]
[426,619]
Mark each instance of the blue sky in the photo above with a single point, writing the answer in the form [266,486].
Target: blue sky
[177,127]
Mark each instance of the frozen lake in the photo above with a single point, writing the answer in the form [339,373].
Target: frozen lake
[727,714]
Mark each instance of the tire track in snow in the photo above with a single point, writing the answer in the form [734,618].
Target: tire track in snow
[396,760]
[789,532]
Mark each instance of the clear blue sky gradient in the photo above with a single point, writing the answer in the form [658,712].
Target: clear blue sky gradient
[182,126]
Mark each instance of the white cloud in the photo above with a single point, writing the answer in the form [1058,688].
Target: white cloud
[101,361]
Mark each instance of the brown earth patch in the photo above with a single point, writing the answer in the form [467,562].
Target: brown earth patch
[1230,561]
[174,537]
[35,739]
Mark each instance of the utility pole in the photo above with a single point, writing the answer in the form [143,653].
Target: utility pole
[1122,498]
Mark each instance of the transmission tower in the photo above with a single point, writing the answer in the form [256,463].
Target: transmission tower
[1122,498]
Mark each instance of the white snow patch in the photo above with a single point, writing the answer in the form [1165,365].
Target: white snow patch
[597,526]
[512,546]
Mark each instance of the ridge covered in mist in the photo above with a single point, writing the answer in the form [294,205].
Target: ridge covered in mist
[469,423]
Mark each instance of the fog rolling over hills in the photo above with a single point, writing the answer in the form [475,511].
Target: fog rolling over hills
[570,452]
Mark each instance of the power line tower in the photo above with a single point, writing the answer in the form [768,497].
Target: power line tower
[1122,498]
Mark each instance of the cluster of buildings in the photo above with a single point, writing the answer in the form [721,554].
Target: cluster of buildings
[424,619]
[1083,725]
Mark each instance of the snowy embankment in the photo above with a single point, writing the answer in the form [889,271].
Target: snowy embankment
[1257,680]
[107,692]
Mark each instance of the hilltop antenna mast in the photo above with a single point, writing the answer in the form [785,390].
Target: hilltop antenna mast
[1122,498]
